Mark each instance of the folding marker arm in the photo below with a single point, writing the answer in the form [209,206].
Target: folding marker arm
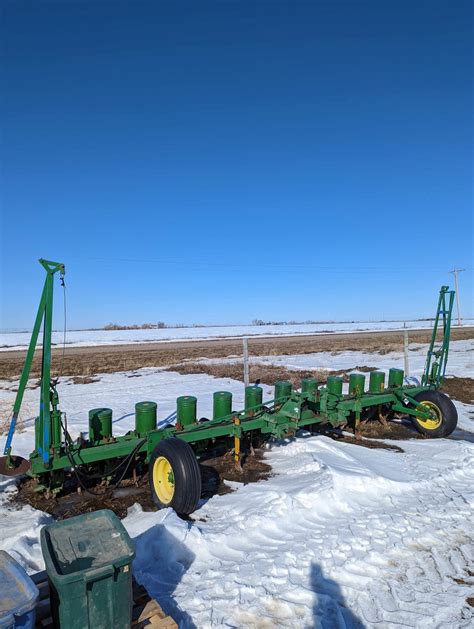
[437,359]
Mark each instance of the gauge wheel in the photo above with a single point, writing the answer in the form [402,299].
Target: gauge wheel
[174,476]
[443,414]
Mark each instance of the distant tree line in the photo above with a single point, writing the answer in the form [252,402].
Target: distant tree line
[136,326]
[307,322]
[160,325]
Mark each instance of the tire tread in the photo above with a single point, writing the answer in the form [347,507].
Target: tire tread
[186,472]
[450,414]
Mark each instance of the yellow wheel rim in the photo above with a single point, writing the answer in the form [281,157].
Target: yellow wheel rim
[163,480]
[435,419]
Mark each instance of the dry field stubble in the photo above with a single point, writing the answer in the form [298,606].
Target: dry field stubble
[88,361]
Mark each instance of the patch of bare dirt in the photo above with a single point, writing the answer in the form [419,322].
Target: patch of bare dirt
[372,444]
[215,471]
[370,434]
[461,389]
[397,430]
[74,503]
[267,374]
[463,581]
[82,380]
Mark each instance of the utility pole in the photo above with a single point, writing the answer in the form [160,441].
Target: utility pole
[455,272]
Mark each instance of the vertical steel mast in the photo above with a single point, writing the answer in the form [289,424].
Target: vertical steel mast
[9,464]
[437,358]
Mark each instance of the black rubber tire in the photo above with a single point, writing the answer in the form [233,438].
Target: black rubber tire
[187,476]
[449,414]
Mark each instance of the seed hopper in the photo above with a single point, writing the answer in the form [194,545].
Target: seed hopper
[171,454]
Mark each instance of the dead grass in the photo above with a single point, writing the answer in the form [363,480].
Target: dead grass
[89,361]
[266,374]
[73,503]
[82,380]
[214,471]
[5,423]
[461,389]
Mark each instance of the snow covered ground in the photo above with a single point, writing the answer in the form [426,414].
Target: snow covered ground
[84,338]
[460,360]
[340,536]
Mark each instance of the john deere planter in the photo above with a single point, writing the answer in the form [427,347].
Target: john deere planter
[171,454]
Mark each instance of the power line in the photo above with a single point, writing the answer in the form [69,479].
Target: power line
[247,262]
[455,273]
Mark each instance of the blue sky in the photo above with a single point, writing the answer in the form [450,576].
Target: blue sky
[217,162]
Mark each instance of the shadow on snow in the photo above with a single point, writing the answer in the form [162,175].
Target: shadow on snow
[162,561]
[329,609]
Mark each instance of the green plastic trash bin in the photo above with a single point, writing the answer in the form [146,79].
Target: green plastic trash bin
[88,560]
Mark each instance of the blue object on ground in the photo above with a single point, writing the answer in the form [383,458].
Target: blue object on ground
[18,595]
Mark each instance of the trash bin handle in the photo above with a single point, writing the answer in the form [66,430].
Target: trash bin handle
[98,573]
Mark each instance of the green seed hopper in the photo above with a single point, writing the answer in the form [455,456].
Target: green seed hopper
[171,454]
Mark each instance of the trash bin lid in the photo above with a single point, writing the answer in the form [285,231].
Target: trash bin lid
[18,593]
[88,541]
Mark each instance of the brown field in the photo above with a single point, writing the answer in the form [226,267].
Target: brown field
[88,361]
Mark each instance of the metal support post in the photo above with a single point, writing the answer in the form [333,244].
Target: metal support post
[245,343]
[237,446]
[405,350]
[45,403]
[44,314]
[455,273]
